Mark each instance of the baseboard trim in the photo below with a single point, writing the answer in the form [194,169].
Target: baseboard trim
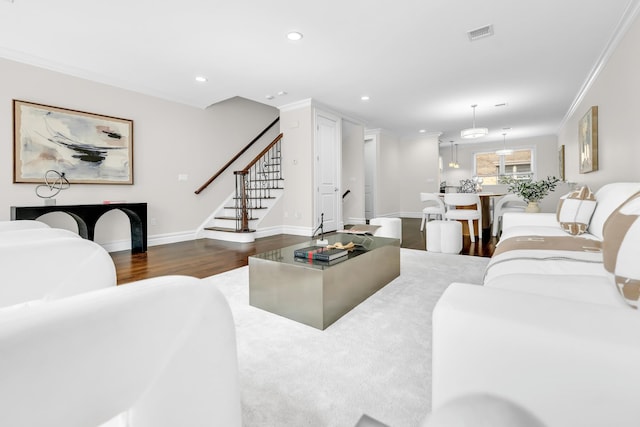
[356,221]
[410,215]
[156,240]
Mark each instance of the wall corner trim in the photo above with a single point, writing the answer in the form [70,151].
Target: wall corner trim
[624,23]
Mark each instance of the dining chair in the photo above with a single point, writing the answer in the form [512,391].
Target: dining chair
[457,209]
[508,203]
[434,206]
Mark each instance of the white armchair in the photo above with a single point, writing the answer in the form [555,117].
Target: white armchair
[156,353]
[22,225]
[46,264]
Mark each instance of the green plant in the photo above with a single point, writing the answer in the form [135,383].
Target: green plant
[529,190]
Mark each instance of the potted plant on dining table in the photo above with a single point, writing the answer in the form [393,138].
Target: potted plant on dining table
[531,191]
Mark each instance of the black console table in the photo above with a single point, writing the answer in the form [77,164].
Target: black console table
[87,215]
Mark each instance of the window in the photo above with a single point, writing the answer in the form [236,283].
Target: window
[490,166]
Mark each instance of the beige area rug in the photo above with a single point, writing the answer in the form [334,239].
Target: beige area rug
[375,360]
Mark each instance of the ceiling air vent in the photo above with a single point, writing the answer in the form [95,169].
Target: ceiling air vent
[480,33]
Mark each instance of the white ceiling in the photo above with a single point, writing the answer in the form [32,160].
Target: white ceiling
[412,57]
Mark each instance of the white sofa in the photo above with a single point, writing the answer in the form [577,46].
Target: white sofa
[554,335]
[77,351]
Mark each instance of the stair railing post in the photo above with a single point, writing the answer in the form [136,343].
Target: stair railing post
[242,220]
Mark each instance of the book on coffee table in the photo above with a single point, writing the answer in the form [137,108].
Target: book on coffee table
[321,263]
[320,253]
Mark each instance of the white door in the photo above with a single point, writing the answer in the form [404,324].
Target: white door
[327,152]
[369,176]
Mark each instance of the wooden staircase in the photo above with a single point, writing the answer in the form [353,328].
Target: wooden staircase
[258,187]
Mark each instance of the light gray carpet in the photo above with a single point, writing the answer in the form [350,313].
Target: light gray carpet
[375,360]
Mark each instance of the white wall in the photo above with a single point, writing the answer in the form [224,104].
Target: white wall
[296,123]
[169,139]
[418,172]
[616,92]
[387,197]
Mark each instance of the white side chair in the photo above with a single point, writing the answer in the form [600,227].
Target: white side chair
[508,203]
[155,353]
[454,201]
[435,206]
[389,227]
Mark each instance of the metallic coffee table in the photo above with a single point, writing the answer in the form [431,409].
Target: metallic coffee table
[315,294]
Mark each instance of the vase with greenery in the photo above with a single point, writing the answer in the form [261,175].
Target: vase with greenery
[531,191]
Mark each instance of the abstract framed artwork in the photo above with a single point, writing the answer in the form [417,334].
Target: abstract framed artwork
[88,148]
[561,163]
[588,141]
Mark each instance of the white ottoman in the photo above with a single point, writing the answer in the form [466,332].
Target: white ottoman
[389,227]
[444,236]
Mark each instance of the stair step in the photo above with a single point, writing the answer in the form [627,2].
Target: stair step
[255,198]
[228,230]
[263,180]
[233,207]
[232,218]
[264,188]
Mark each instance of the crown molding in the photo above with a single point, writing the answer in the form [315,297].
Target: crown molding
[296,105]
[629,16]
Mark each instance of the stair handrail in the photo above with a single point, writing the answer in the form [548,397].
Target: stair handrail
[242,222]
[237,156]
[262,153]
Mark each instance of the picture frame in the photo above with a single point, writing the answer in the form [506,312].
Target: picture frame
[87,148]
[561,163]
[588,141]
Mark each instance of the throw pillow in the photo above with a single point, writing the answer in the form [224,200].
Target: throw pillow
[467,186]
[621,251]
[575,210]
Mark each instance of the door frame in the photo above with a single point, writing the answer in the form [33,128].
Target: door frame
[338,161]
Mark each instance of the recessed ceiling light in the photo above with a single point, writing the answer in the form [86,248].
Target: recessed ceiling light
[282,93]
[422,131]
[269,96]
[201,79]
[294,36]
[365,98]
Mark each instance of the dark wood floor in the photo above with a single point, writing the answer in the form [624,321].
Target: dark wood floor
[206,257]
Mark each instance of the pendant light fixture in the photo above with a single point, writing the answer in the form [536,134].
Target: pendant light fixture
[504,151]
[474,132]
[454,160]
